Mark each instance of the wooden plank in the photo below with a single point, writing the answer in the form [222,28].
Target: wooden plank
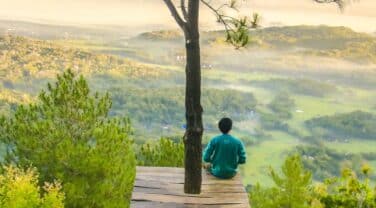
[206,188]
[174,173]
[180,192]
[147,204]
[220,199]
[163,187]
[177,179]
[142,169]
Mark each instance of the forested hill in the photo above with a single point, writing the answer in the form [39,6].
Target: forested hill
[151,95]
[24,57]
[334,42]
[317,37]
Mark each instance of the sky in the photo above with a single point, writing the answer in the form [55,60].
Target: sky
[360,15]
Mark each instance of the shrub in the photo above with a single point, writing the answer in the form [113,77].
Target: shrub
[282,105]
[294,189]
[347,191]
[291,189]
[68,136]
[19,189]
[354,124]
[165,153]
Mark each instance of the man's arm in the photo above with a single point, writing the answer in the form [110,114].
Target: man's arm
[241,153]
[208,152]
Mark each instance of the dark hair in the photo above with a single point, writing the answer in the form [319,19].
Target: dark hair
[225,125]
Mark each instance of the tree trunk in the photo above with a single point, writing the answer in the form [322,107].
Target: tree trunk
[193,136]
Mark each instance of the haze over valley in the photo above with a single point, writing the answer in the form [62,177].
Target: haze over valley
[303,85]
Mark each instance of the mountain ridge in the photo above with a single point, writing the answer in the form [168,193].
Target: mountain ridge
[325,41]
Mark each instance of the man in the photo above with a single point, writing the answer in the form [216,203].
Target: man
[224,152]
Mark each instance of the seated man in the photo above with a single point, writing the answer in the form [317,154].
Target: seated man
[224,152]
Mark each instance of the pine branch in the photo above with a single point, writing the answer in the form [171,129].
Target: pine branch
[221,17]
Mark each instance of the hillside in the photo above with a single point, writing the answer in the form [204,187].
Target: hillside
[270,97]
[51,31]
[24,57]
[320,41]
[26,65]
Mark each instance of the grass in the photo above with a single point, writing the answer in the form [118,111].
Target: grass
[269,153]
[354,146]
[88,45]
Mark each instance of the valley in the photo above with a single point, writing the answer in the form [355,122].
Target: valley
[280,91]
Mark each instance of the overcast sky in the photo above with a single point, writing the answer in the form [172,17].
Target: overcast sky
[360,16]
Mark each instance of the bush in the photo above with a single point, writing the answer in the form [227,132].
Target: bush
[151,108]
[68,136]
[291,189]
[294,189]
[270,121]
[165,153]
[282,105]
[299,86]
[354,124]
[20,189]
[347,191]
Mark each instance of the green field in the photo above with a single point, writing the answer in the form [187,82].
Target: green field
[271,152]
[143,72]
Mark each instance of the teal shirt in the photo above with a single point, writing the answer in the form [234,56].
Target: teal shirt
[224,152]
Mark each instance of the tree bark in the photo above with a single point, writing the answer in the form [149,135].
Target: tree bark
[194,131]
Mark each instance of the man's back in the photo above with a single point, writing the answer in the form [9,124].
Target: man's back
[224,152]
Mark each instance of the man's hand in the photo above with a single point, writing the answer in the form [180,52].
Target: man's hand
[206,166]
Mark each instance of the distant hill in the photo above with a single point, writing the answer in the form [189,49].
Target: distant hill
[302,34]
[27,64]
[51,31]
[24,57]
[161,35]
[332,42]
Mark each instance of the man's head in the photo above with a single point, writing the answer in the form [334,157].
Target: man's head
[225,125]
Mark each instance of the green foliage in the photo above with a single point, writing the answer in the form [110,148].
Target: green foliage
[282,105]
[323,161]
[162,35]
[272,121]
[9,99]
[20,189]
[299,86]
[261,197]
[27,58]
[348,191]
[164,106]
[294,189]
[357,124]
[68,136]
[238,35]
[326,163]
[291,189]
[164,153]
[293,183]
[281,108]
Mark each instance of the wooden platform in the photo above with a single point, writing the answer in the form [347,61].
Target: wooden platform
[163,187]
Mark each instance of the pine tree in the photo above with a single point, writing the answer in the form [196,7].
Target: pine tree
[68,136]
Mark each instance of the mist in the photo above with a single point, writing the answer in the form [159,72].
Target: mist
[359,16]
